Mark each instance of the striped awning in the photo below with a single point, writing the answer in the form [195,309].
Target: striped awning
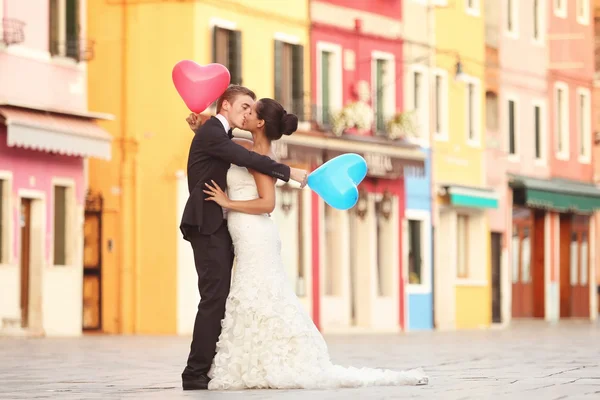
[55,132]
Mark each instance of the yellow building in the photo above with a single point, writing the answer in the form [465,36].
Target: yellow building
[148,275]
[462,251]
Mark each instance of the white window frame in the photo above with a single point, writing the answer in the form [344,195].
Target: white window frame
[444,112]
[478,239]
[424,115]
[564,154]
[70,224]
[517,156]
[477,111]
[541,40]
[390,87]
[515,19]
[585,18]
[335,80]
[474,11]
[6,179]
[561,11]
[587,127]
[1,12]
[543,131]
[425,218]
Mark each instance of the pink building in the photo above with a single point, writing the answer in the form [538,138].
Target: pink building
[46,135]
[542,157]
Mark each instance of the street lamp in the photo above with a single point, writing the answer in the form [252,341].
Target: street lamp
[362,205]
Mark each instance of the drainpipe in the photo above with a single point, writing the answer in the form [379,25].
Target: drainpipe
[127,221]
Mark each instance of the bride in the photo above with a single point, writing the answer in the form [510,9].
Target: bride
[268,340]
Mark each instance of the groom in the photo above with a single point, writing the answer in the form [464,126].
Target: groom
[203,224]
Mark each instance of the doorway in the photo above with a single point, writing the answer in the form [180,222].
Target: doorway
[92,264]
[496,239]
[574,266]
[25,258]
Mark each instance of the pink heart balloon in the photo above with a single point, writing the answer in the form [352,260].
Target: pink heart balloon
[199,86]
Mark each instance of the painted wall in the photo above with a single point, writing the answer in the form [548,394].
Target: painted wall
[456,160]
[356,49]
[571,60]
[152,139]
[55,290]
[44,80]
[418,202]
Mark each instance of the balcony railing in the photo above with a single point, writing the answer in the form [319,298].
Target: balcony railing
[12,31]
[76,48]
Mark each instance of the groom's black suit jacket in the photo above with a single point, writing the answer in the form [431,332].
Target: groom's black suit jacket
[211,154]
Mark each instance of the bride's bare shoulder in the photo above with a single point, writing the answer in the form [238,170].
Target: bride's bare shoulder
[249,144]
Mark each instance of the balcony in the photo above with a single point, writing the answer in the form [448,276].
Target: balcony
[12,31]
[75,48]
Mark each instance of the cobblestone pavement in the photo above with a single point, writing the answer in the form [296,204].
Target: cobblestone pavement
[526,361]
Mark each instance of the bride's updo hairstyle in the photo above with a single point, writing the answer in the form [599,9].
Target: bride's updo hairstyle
[277,121]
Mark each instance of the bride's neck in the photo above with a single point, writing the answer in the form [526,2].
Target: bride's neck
[261,144]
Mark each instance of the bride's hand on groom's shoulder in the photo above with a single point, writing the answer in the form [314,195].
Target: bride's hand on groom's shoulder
[194,121]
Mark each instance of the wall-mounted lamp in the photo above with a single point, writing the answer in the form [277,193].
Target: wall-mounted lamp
[384,206]
[287,198]
[362,205]
[460,75]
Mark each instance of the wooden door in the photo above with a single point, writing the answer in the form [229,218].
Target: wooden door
[25,259]
[565,265]
[92,264]
[496,239]
[537,264]
[579,267]
[522,288]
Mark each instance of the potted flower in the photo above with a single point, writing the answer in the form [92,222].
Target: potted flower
[403,125]
[355,117]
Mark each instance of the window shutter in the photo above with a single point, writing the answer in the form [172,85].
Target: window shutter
[298,81]
[53,39]
[214,43]
[235,57]
[277,70]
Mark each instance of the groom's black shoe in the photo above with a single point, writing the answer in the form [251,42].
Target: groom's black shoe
[199,383]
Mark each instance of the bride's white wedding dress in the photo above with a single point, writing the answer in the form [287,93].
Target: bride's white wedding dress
[268,340]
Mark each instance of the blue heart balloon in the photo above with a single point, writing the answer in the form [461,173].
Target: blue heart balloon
[336,181]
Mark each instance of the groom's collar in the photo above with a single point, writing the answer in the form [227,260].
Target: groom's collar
[223,121]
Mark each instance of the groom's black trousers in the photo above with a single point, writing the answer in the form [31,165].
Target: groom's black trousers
[213,255]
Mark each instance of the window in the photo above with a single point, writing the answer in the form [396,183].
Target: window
[441,104]
[561,98]
[580,252]
[64,34]
[60,225]
[538,21]
[539,130]
[472,7]
[473,107]
[380,106]
[289,76]
[415,252]
[560,8]
[512,128]
[583,11]
[512,18]
[462,246]
[418,101]
[584,124]
[329,81]
[521,244]
[383,76]
[227,50]
[491,111]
